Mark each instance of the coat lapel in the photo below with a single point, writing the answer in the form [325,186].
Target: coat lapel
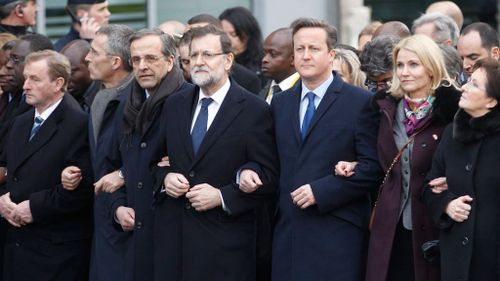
[44,134]
[294,108]
[230,108]
[185,113]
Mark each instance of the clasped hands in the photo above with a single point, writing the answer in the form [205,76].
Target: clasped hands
[202,196]
[16,214]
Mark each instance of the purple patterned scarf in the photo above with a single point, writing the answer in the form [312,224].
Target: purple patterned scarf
[416,112]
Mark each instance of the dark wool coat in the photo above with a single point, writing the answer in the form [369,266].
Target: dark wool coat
[389,201]
[468,157]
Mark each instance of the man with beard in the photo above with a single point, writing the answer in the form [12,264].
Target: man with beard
[216,136]
[12,79]
[138,138]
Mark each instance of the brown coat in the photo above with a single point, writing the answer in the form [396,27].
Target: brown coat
[389,201]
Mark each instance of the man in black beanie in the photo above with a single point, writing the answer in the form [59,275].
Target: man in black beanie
[16,16]
[87,16]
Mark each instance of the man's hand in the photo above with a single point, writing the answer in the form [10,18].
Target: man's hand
[303,196]
[176,185]
[204,197]
[345,169]
[88,27]
[109,183]
[126,217]
[7,209]
[71,177]
[165,162]
[438,185]
[249,181]
[459,209]
[22,213]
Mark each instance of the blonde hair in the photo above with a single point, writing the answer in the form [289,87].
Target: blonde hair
[58,65]
[431,57]
[349,62]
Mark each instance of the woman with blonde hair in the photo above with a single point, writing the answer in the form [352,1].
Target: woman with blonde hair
[421,101]
[346,64]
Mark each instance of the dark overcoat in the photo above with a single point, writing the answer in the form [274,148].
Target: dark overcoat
[214,245]
[56,245]
[389,201]
[468,156]
[108,244]
[325,241]
[136,153]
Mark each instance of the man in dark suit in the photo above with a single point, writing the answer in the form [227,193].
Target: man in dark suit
[12,80]
[322,219]
[108,62]
[50,227]
[216,135]
[137,139]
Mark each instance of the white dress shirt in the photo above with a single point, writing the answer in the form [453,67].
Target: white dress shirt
[47,112]
[218,97]
[319,93]
[284,85]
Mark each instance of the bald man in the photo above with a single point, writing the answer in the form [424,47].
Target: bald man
[80,86]
[392,28]
[448,8]
[173,27]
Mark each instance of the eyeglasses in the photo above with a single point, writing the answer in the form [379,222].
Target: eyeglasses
[205,56]
[15,60]
[374,86]
[148,59]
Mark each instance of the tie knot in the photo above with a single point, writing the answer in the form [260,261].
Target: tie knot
[38,120]
[276,89]
[205,102]
[310,96]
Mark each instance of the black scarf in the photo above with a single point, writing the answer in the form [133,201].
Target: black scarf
[139,111]
[468,129]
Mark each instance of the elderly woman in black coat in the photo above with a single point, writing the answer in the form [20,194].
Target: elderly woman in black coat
[464,193]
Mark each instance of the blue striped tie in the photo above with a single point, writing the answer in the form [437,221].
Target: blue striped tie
[36,125]
[309,114]
[200,125]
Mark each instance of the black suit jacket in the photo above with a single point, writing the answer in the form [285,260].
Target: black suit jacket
[213,245]
[59,216]
[246,78]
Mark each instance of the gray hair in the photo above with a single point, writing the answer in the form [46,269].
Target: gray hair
[376,57]
[5,10]
[118,41]
[168,42]
[452,60]
[445,27]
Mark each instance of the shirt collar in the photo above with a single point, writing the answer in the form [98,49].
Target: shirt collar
[320,90]
[288,82]
[219,95]
[47,112]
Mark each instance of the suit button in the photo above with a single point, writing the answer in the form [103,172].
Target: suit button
[187,206]
[465,241]
[15,179]
[424,145]
[144,145]
[139,185]
[192,174]
[406,172]
[138,225]
[422,227]
[18,243]
[468,167]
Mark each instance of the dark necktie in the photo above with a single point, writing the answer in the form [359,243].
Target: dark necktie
[200,126]
[309,113]
[36,125]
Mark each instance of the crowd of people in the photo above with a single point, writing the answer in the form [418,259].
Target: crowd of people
[203,151]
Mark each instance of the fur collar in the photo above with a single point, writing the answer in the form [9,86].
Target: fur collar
[444,108]
[468,129]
